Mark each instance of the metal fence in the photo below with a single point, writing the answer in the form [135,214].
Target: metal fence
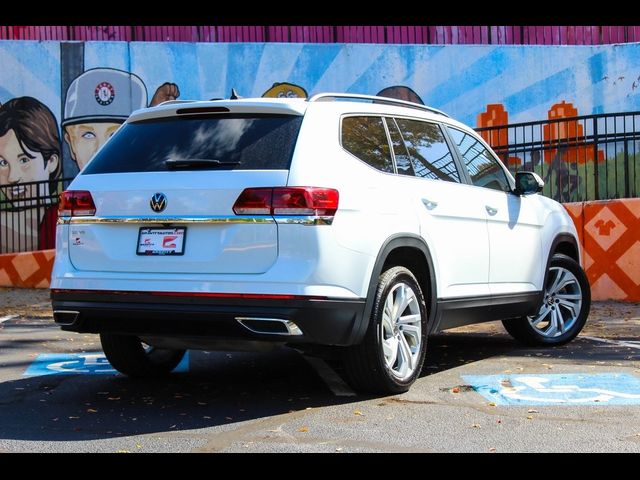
[28,215]
[475,34]
[590,157]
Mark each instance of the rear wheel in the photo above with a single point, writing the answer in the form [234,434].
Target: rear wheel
[391,355]
[564,309]
[129,355]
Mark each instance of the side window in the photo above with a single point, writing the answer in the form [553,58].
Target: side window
[403,160]
[429,152]
[366,138]
[484,169]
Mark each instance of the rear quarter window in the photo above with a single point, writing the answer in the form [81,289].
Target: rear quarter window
[366,138]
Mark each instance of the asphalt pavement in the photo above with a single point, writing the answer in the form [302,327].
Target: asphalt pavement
[479,391]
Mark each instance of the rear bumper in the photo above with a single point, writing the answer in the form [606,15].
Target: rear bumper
[209,316]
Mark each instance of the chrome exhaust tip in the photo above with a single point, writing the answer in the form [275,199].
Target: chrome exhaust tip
[65,317]
[270,326]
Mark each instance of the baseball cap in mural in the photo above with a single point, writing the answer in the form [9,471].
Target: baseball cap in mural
[103,95]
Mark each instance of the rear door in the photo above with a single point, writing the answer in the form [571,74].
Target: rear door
[164,190]
[451,214]
[514,222]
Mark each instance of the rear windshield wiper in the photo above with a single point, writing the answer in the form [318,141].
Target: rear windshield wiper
[174,163]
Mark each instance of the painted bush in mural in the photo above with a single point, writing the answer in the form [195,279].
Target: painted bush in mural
[580,158]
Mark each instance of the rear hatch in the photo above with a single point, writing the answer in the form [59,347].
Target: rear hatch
[164,190]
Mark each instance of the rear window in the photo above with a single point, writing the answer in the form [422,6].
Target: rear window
[220,142]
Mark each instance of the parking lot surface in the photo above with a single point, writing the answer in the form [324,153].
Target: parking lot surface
[479,391]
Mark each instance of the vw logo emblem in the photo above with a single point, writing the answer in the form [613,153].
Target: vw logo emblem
[158,202]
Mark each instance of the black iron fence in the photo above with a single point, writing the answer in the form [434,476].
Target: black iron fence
[28,215]
[589,157]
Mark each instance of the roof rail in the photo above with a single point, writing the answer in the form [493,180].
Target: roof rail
[328,97]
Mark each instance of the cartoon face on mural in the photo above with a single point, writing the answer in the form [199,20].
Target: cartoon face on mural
[85,139]
[285,90]
[98,102]
[29,150]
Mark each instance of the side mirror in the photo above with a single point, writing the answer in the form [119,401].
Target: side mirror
[528,183]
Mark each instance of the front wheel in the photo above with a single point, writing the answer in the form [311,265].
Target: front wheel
[391,355]
[128,355]
[564,309]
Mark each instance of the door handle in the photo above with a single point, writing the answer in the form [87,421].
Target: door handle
[429,204]
[491,210]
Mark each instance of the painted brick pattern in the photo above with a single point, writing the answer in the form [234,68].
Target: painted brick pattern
[609,232]
[612,247]
[27,269]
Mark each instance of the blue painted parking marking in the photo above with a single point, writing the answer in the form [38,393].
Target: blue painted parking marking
[90,363]
[558,389]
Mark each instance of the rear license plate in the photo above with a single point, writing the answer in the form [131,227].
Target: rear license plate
[161,241]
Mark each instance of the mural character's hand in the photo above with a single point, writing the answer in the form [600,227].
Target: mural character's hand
[165,92]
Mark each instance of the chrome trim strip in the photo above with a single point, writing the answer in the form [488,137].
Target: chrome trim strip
[291,327]
[213,219]
[304,220]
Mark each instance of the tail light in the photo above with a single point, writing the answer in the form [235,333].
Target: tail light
[254,201]
[76,203]
[308,201]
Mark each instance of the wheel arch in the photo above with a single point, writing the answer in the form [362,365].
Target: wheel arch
[566,244]
[405,250]
[563,243]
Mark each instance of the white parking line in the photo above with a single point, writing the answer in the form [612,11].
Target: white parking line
[620,343]
[8,317]
[330,377]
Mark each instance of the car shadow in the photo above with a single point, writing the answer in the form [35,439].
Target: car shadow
[220,389]
[449,350]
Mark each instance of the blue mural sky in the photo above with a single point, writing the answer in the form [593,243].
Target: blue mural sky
[459,79]
[31,69]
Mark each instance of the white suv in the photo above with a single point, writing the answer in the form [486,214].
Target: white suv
[347,221]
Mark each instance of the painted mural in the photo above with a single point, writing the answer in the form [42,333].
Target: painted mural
[62,100]
[98,101]
[29,169]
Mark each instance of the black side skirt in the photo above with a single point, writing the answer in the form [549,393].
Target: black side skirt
[451,313]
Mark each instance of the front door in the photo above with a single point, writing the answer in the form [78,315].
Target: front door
[514,223]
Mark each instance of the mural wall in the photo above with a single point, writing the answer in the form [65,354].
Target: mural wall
[61,100]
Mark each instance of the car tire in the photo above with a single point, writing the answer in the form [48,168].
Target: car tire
[390,357]
[565,306]
[128,355]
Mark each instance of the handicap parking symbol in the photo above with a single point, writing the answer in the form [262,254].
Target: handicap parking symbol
[558,389]
[90,363]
